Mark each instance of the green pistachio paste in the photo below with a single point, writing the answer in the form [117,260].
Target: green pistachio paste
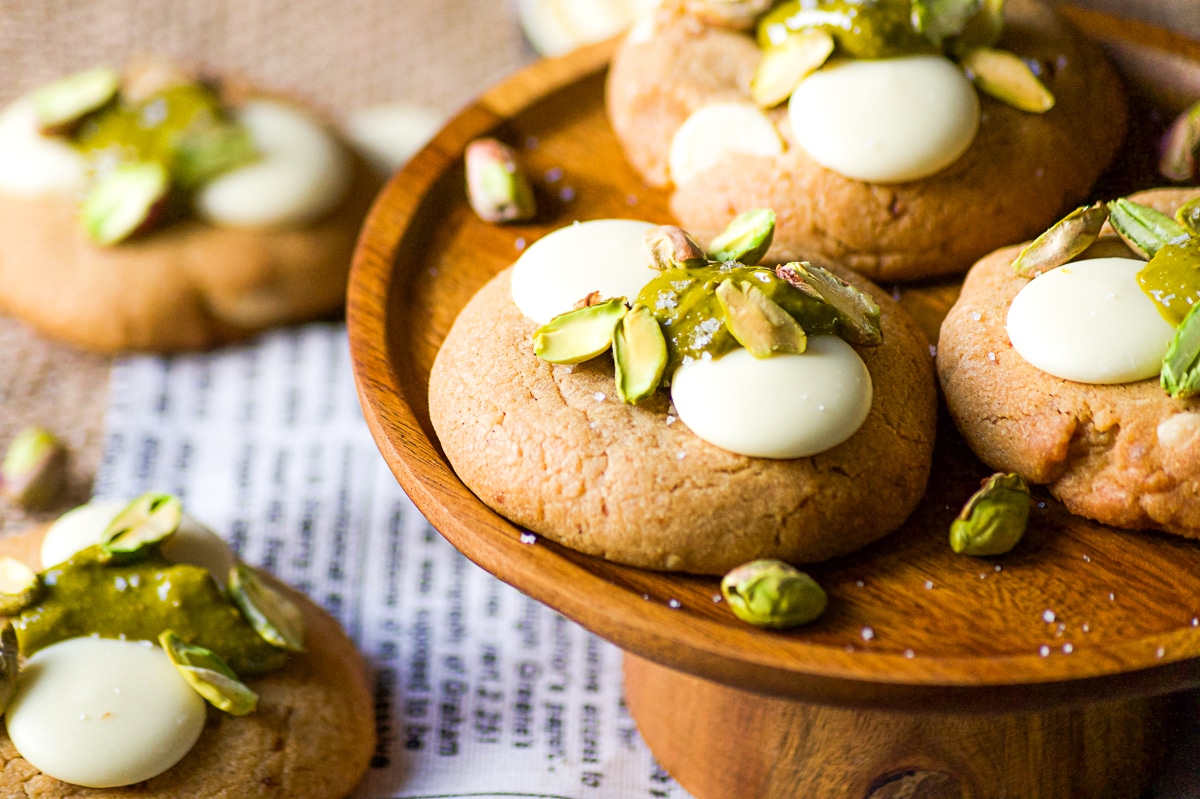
[861,28]
[685,303]
[1172,279]
[138,601]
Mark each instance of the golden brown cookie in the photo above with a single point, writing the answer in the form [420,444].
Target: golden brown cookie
[312,734]
[1126,455]
[552,449]
[1020,174]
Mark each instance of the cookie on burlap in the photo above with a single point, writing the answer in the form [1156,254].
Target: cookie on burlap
[312,735]
[1126,455]
[555,451]
[1022,171]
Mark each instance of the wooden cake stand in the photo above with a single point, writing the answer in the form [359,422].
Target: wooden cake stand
[1045,673]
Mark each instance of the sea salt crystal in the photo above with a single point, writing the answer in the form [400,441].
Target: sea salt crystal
[976,316]
[532,143]
[670,419]
[908,653]
[1087,628]
[1044,651]
[1112,597]
[554,175]
[1162,650]
[631,199]
[717,598]
[929,585]
[567,194]
[932,350]
[1048,616]
[598,396]
[1068,648]
[680,455]
[867,633]
[998,568]
[519,244]
[859,583]
[1087,559]
[991,356]
[675,604]
[528,538]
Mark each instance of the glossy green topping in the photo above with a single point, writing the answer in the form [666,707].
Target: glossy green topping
[860,28]
[693,320]
[1172,279]
[138,601]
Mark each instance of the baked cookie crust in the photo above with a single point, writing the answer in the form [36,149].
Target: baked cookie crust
[1021,173]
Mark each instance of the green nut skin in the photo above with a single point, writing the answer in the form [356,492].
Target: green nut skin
[146,522]
[1180,375]
[746,239]
[994,519]
[773,594]
[1066,239]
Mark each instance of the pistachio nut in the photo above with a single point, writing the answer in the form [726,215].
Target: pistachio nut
[994,518]
[746,238]
[640,354]
[125,201]
[771,593]
[938,20]
[202,153]
[1180,376]
[1188,215]
[984,29]
[497,189]
[20,586]
[671,247]
[1144,229]
[1070,236]
[1182,143]
[272,615]
[858,314]
[1004,76]
[733,14]
[757,322]
[579,335]
[10,651]
[61,104]
[146,522]
[34,471]
[209,675]
[783,66]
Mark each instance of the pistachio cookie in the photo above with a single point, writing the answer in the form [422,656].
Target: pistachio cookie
[145,671]
[151,210]
[1081,377]
[798,425]
[859,124]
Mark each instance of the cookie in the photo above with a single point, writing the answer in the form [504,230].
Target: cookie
[187,283]
[1019,174]
[312,734]
[1126,454]
[554,450]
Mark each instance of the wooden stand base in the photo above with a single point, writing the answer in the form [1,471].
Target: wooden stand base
[723,743]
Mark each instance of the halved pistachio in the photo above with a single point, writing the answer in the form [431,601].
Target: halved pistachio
[733,14]
[771,593]
[858,314]
[672,247]
[1180,376]
[1070,236]
[147,521]
[125,201]
[640,353]
[984,29]
[209,675]
[757,321]
[10,664]
[20,586]
[1182,143]
[746,239]
[994,518]
[1004,76]
[938,20]
[63,103]
[272,615]
[579,335]
[497,189]
[34,470]
[784,65]
[202,153]
[1188,215]
[1144,229]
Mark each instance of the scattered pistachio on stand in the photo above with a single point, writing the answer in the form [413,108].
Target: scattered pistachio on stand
[34,471]
[773,594]
[497,189]
[994,518]
[1180,147]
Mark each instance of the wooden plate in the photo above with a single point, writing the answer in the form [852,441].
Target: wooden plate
[1079,611]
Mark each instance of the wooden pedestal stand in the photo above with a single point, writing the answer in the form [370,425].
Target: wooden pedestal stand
[931,675]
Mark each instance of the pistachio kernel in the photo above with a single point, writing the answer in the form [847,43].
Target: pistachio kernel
[209,675]
[640,355]
[783,66]
[938,20]
[125,201]
[994,518]
[774,594]
[202,153]
[63,103]
[1180,376]
[746,239]
[579,335]
[146,522]
[34,471]
[10,651]
[757,322]
[1144,229]
[1188,215]
[1004,76]
[1069,237]
[497,189]
[670,247]
[1180,146]
[272,615]
[20,586]
[984,29]
[858,313]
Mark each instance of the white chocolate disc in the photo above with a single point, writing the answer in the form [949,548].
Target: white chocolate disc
[715,130]
[561,268]
[301,173]
[785,406]
[388,135]
[33,165]
[888,120]
[1090,322]
[103,713]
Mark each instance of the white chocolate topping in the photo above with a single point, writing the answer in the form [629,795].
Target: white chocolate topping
[714,130]
[885,121]
[301,174]
[33,165]
[388,135]
[103,713]
[1090,322]
[785,406]
[561,268]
